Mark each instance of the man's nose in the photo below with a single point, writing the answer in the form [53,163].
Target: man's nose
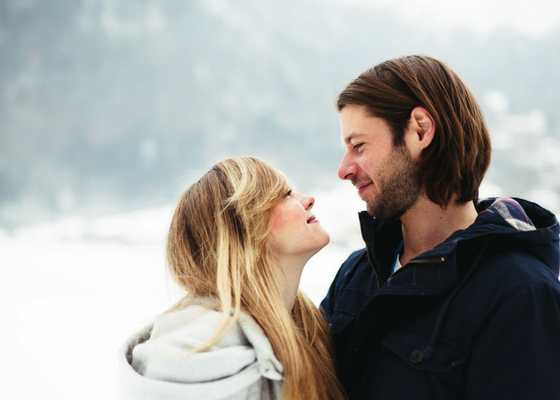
[347,168]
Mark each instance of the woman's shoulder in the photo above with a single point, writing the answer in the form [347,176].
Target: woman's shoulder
[191,327]
[162,353]
[167,353]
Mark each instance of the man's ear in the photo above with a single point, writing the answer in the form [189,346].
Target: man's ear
[420,131]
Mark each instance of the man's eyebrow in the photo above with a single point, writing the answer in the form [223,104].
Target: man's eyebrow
[348,139]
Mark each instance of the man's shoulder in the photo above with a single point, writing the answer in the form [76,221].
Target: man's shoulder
[516,266]
[522,242]
[504,271]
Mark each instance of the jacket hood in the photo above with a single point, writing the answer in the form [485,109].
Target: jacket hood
[156,363]
[520,222]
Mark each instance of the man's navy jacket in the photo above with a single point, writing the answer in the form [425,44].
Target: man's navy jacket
[476,317]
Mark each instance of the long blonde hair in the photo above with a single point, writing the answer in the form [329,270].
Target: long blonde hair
[218,247]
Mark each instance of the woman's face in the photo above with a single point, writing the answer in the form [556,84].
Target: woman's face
[295,230]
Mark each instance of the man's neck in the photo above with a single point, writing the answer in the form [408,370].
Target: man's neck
[427,224]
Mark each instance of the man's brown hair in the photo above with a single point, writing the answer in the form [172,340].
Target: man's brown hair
[458,157]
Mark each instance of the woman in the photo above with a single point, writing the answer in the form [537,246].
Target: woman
[238,242]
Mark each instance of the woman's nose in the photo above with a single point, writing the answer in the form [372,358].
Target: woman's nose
[308,202]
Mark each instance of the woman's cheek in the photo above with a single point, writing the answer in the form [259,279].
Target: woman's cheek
[278,220]
[287,217]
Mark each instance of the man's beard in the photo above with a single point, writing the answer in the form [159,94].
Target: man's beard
[398,185]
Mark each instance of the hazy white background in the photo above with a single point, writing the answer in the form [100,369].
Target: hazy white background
[74,286]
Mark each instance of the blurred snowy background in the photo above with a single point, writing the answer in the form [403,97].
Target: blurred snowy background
[109,109]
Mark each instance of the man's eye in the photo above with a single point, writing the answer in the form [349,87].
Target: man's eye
[357,146]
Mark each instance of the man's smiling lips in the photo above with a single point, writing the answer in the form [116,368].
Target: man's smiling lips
[362,187]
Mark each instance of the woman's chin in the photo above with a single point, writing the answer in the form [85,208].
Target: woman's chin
[322,244]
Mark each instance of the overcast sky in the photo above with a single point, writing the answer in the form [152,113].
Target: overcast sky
[532,18]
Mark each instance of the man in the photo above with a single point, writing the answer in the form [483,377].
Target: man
[452,298]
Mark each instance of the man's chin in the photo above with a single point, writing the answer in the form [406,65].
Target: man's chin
[383,213]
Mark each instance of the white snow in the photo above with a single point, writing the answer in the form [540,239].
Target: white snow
[72,290]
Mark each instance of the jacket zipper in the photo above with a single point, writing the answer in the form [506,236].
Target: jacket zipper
[371,265]
[441,259]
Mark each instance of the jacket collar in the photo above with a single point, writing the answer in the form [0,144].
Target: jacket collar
[435,271]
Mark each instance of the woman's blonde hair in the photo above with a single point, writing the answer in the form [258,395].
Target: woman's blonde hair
[218,247]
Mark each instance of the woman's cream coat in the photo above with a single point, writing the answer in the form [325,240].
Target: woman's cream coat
[154,364]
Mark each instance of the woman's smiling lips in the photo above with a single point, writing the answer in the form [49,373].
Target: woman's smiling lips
[312,220]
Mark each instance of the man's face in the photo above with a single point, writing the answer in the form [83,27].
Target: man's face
[386,176]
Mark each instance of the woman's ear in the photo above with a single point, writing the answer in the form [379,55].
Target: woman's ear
[420,131]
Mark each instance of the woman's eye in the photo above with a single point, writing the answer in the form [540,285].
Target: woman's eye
[289,193]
